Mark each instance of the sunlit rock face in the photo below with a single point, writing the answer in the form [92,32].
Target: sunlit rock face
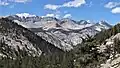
[16,40]
[63,33]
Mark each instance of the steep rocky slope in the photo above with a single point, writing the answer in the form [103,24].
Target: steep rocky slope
[111,45]
[100,51]
[16,40]
[65,33]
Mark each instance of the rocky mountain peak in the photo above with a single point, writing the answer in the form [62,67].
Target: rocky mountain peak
[83,22]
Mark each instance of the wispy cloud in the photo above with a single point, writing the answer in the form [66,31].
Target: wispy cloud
[12,6]
[116,10]
[112,4]
[52,7]
[21,1]
[3,3]
[90,4]
[67,16]
[52,15]
[75,3]
[7,2]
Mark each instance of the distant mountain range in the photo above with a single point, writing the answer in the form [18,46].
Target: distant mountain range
[63,33]
[33,21]
[58,43]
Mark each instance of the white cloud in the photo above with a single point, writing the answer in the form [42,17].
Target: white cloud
[75,3]
[112,4]
[21,1]
[52,15]
[116,10]
[52,7]
[57,15]
[3,3]
[67,16]
[7,2]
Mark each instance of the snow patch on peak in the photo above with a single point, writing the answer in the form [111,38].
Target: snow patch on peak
[91,21]
[105,24]
[25,15]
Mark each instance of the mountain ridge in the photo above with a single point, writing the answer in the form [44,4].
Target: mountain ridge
[92,49]
[17,39]
[66,31]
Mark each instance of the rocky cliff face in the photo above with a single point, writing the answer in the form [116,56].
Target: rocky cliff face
[16,40]
[64,33]
[111,48]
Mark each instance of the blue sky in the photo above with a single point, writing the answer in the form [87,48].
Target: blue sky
[93,10]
